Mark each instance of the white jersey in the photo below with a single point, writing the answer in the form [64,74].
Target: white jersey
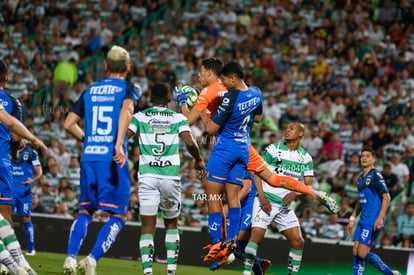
[159,130]
[295,164]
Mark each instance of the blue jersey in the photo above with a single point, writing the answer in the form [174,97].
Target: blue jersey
[101,106]
[13,107]
[370,188]
[23,169]
[235,116]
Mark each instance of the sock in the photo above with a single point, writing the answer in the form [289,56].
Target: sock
[78,232]
[295,259]
[29,230]
[249,256]
[241,245]
[233,223]
[378,263]
[106,237]
[7,259]
[215,224]
[146,248]
[359,266]
[10,241]
[289,183]
[172,245]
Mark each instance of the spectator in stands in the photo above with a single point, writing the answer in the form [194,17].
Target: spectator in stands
[309,223]
[400,169]
[396,146]
[70,200]
[391,180]
[405,227]
[380,138]
[53,178]
[65,76]
[333,145]
[37,207]
[48,198]
[332,229]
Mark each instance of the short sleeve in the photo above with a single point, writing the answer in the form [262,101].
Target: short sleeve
[225,109]
[79,106]
[133,126]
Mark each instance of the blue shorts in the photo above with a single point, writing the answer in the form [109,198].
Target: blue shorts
[226,165]
[6,185]
[366,234]
[105,186]
[22,200]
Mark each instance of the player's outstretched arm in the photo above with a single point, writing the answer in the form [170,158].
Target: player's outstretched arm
[71,125]
[19,129]
[125,118]
[195,152]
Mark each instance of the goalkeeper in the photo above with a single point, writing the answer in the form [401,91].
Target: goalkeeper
[205,106]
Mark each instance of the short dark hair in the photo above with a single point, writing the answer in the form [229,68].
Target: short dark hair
[4,70]
[213,64]
[368,149]
[159,93]
[233,68]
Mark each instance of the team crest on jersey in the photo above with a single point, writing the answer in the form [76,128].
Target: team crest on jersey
[257,218]
[368,181]
[301,158]
[25,156]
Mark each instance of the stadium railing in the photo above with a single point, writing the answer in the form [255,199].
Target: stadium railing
[395,208]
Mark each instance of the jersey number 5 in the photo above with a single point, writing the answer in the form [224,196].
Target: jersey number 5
[160,143]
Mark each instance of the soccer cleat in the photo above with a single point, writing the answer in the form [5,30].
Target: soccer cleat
[69,267]
[31,253]
[329,202]
[22,271]
[87,266]
[29,271]
[266,264]
[170,272]
[396,272]
[220,251]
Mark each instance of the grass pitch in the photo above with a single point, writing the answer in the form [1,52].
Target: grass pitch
[51,263]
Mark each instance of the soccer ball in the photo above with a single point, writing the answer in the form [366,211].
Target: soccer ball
[188,89]
[231,258]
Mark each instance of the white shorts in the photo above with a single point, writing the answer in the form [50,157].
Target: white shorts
[164,194]
[283,216]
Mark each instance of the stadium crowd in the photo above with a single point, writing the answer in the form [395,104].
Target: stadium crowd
[345,68]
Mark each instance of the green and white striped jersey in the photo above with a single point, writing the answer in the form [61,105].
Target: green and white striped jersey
[295,164]
[158,129]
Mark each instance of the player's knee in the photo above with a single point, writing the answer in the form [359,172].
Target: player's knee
[297,243]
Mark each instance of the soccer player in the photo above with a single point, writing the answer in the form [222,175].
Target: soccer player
[107,107]
[272,203]
[206,104]
[9,108]
[227,164]
[26,171]
[372,205]
[159,130]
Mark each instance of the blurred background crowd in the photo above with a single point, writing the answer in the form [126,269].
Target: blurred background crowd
[345,68]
